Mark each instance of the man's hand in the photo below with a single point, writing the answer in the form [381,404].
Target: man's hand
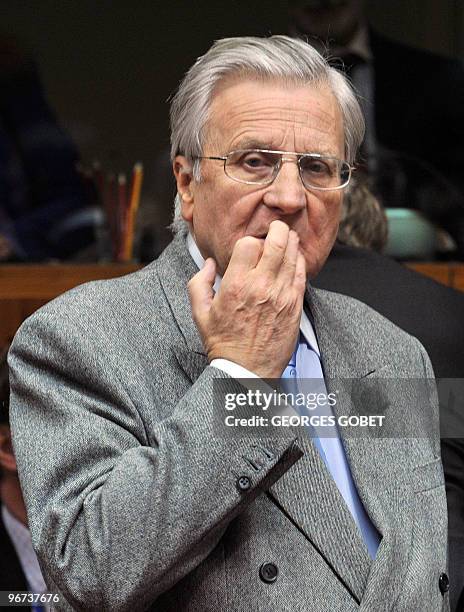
[254,318]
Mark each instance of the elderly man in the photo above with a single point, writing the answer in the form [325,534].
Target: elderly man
[135,499]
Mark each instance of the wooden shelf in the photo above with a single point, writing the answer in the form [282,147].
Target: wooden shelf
[46,281]
[26,287]
[440,272]
[450,274]
[458,277]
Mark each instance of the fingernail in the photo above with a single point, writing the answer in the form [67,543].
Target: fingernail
[209,264]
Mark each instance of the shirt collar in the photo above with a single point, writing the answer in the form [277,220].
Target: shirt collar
[306,326]
[198,258]
[20,537]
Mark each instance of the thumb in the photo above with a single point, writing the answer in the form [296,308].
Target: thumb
[201,290]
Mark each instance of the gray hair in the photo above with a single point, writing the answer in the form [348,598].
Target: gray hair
[363,222]
[274,58]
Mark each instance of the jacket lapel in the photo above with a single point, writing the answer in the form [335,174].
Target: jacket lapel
[373,460]
[308,495]
[307,492]
[176,267]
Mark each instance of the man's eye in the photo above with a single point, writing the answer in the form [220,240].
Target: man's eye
[254,161]
[316,167]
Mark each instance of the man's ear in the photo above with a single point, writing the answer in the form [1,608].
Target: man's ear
[184,178]
[7,458]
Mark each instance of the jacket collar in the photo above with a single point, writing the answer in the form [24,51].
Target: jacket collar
[175,268]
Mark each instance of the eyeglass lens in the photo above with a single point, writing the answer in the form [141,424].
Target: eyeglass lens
[253,166]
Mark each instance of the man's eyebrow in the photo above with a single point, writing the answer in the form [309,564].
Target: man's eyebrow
[253,144]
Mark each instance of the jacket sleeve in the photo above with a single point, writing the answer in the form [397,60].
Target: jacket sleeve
[118,516]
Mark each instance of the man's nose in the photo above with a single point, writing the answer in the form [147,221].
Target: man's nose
[286,193]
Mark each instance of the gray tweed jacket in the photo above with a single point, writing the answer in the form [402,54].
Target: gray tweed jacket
[132,496]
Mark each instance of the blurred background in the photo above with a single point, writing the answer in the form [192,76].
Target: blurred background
[89,84]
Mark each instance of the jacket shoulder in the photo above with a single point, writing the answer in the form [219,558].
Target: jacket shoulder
[107,311]
[106,292]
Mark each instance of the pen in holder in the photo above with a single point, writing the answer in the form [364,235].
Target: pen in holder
[120,203]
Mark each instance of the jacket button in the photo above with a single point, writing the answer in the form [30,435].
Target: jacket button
[268,572]
[243,483]
[444,583]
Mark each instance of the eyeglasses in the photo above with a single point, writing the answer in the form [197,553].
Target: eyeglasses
[260,167]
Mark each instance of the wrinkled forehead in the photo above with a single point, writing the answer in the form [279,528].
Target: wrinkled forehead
[252,113]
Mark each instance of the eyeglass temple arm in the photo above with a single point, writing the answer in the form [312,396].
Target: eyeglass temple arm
[223,158]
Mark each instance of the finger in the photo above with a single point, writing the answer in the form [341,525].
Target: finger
[275,247]
[300,279]
[200,289]
[288,267]
[245,256]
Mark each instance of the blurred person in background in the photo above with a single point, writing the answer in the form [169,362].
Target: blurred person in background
[411,99]
[45,211]
[19,568]
[363,222]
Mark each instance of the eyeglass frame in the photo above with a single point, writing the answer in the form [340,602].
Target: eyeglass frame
[224,158]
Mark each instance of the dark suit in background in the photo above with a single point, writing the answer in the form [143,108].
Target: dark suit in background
[434,314]
[419,124]
[419,104]
[424,308]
